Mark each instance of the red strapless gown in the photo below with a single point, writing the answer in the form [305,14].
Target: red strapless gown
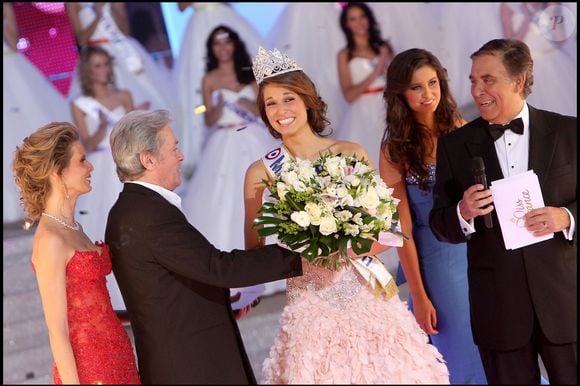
[101,346]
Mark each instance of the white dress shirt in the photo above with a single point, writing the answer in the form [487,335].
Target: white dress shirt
[170,196]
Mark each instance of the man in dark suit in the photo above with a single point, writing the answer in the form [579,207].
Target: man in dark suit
[173,280]
[523,301]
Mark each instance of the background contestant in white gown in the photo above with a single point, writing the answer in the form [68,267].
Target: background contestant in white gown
[106,25]
[213,194]
[361,67]
[94,114]
[29,101]
[312,36]
[190,68]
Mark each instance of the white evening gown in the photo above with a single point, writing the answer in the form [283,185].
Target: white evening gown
[364,119]
[93,207]
[134,68]
[29,102]
[190,68]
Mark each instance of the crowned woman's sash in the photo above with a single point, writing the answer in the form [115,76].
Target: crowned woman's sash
[274,159]
[371,268]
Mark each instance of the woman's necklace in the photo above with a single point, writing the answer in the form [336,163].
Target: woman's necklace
[74,227]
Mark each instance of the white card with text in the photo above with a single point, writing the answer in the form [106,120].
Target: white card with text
[513,197]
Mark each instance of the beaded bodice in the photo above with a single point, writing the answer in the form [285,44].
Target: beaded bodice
[412,179]
[420,201]
[335,287]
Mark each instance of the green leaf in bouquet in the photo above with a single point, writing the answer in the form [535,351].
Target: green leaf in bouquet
[312,251]
[367,219]
[267,231]
[324,247]
[266,220]
[330,241]
[271,210]
[342,244]
[291,202]
[355,210]
[297,238]
[314,230]
[268,207]
[302,244]
[360,245]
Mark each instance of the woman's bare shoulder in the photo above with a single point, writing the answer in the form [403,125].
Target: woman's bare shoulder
[347,148]
[256,171]
[50,247]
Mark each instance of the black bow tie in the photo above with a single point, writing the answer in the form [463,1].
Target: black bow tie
[516,125]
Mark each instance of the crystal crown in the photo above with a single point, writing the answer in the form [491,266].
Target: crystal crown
[271,63]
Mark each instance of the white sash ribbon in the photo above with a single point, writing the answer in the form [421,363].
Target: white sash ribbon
[274,160]
[245,115]
[123,51]
[374,272]
[91,107]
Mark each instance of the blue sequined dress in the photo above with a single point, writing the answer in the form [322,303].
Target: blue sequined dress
[444,273]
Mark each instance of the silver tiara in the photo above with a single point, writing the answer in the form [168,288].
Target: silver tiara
[271,63]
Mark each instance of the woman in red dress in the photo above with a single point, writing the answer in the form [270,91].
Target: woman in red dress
[88,342]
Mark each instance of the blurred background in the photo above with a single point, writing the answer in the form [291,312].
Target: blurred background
[45,40]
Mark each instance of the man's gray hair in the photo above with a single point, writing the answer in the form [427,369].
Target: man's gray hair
[135,133]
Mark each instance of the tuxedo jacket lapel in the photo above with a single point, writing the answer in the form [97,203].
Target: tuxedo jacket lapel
[542,145]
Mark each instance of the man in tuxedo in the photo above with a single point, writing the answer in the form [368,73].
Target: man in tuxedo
[522,301]
[173,280]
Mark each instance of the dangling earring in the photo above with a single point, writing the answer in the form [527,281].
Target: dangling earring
[66,195]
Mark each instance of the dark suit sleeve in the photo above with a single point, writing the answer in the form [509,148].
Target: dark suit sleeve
[181,249]
[446,194]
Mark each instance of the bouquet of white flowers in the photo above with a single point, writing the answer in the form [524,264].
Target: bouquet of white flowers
[320,208]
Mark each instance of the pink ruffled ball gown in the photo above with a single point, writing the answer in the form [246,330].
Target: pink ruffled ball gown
[334,329]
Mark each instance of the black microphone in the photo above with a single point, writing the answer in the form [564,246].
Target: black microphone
[478,170]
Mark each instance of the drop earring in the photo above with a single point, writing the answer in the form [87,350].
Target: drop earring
[66,195]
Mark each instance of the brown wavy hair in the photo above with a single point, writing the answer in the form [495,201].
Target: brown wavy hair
[84,69]
[297,82]
[408,141]
[46,150]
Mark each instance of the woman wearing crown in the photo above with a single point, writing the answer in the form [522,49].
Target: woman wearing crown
[334,328]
